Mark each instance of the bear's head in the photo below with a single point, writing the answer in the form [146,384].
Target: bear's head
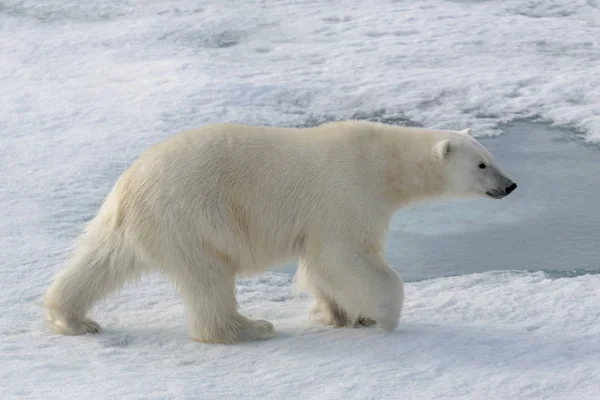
[469,169]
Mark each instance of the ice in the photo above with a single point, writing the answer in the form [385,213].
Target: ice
[168,65]
[86,86]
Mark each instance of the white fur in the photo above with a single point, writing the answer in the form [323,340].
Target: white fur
[210,204]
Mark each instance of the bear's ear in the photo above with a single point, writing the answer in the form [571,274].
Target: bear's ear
[443,148]
[466,131]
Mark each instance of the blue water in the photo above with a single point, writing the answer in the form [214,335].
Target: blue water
[550,223]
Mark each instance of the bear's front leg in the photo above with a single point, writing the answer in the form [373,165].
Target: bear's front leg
[208,291]
[361,284]
[332,314]
[326,311]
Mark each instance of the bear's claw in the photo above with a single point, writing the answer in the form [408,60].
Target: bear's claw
[365,321]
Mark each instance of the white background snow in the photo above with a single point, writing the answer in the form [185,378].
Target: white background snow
[86,86]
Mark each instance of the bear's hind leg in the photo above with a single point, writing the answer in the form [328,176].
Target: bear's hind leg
[208,291]
[100,265]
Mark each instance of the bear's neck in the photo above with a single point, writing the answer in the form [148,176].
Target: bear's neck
[408,174]
[396,165]
[420,186]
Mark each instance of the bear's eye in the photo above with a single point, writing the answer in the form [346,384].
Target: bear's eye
[482,166]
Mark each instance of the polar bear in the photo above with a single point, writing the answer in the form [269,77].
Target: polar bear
[210,204]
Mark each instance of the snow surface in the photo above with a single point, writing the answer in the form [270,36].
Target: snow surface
[502,335]
[87,85]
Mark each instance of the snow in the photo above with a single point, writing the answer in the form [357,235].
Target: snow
[498,335]
[86,86]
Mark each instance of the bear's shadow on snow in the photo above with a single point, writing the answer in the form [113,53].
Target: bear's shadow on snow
[464,345]
[129,337]
[450,345]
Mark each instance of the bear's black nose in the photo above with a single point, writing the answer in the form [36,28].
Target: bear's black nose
[510,188]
